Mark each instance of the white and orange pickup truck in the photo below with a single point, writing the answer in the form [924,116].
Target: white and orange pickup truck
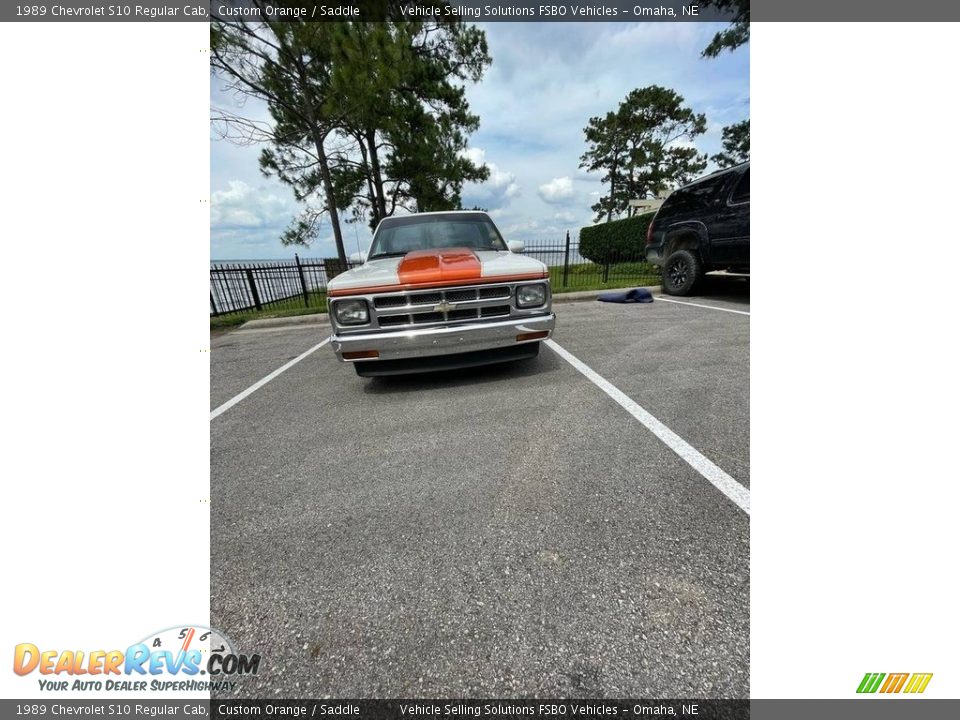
[439,291]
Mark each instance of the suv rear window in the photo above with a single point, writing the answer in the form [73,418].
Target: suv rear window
[696,196]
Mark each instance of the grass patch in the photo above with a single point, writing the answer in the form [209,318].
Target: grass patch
[589,276]
[286,308]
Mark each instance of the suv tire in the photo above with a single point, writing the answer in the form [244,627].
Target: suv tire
[682,272]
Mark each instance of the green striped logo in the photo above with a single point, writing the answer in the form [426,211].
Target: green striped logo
[871,682]
[895,682]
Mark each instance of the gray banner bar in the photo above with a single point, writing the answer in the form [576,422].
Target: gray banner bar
[873,708]
[486,10]
[367,10]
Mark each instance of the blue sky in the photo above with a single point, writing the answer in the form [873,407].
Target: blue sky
[546,81]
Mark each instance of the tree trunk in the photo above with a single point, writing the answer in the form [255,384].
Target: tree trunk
[318,135]
[380,208]
[330,199]
[613,174]
[371,192]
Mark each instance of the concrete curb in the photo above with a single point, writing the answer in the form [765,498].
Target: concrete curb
[322,318]
[292,321]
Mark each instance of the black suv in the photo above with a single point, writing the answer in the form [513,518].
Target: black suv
[701,227]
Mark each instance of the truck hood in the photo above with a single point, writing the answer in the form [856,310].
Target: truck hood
[436,268]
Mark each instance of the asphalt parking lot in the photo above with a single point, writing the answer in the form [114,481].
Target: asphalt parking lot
[509,531]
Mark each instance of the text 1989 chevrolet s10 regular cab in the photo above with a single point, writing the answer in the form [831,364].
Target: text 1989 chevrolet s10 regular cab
[439,291]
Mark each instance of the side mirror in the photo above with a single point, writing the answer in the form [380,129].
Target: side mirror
[516,246]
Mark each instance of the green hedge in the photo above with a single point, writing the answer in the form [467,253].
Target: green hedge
[618,240]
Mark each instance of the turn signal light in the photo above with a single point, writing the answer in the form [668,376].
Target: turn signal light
[361,355]
[532,336]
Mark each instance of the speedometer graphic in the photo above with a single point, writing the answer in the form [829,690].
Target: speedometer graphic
[182,641]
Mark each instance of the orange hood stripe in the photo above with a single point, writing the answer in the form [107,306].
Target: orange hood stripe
[430,266]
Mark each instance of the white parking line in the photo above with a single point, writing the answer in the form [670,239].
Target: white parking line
[708,307]
[717,477]
[260,383]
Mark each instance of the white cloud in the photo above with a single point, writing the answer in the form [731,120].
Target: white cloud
[496,191]
[556,191]
[246,221]
[539,231]
[243,206]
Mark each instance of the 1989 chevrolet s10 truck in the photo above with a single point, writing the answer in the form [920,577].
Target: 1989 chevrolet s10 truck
[439,291]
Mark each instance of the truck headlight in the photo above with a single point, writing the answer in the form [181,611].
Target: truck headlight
[351,312]
[531,295]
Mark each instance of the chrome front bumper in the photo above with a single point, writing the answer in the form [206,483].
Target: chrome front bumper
[444,340]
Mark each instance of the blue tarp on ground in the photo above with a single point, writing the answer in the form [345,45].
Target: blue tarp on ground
[637,295]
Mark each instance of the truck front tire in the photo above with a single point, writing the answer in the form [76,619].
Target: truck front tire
[682,272]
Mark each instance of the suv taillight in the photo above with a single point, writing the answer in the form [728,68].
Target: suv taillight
[650,232]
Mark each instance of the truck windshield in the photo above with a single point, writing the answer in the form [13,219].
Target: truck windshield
[398,236]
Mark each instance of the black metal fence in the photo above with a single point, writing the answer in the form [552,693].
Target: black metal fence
[302,283]
[569,269]
[245,287]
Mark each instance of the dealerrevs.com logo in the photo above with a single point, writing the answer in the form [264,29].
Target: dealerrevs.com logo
[182,659]
[910,683]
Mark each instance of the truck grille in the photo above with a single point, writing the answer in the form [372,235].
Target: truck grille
[427,317]
[392,301]
[456,305]
[390,320]
[497,311]
[494,292]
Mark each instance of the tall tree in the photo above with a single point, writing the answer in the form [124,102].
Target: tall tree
[736,145]
[426,165]
[607,152]
[365,117]
[643,148]
[736,34]
[287,65]
[402,85]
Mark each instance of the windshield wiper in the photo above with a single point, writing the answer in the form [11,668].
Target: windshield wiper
[389,254]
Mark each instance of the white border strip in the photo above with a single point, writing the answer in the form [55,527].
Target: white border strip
[717,477]
[260,383]
[708,307]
